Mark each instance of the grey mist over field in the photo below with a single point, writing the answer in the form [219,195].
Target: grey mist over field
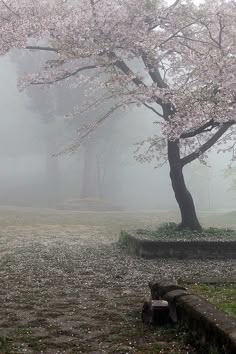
[33,130]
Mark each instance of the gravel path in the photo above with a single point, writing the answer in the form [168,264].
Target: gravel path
[67,288]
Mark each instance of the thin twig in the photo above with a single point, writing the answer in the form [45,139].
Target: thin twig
[9,8]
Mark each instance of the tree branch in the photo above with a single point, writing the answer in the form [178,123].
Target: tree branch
[153,26]
[9,8]
[168,108]
[99,121]
[192,133]
[175,33]
[66,76]
[210,34]
[211,124]
[73,147]
[174,4]
[220,30]
[206,146]
[152,109]
[4,18]
[195,40]
[121,65]
[154,73]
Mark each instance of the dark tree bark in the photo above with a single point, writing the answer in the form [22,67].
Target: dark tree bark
[182,195]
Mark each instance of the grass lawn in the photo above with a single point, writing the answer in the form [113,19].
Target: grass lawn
[223,296]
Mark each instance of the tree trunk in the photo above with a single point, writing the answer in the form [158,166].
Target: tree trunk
[182,195]
[89,186]
[52,175]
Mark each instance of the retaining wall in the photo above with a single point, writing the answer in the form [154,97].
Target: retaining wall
[211,329]
[181,249]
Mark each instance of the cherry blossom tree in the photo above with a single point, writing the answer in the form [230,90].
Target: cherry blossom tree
[186,58]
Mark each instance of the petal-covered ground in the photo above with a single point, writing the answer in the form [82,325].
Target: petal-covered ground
[67,288]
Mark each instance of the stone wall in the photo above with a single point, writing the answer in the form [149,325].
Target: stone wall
[181,249]
[212,330]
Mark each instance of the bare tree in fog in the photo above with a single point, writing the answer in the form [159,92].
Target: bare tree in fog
[52,106]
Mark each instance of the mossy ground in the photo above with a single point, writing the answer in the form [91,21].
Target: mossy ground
[170,232]
[223,296]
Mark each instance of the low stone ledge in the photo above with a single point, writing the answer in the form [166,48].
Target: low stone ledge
[181,249]
[211,329]
[207,280]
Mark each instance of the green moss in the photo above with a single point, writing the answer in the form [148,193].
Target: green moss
[169,231]
[223,296]
[5,345]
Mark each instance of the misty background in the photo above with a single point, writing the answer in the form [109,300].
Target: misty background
[33,129]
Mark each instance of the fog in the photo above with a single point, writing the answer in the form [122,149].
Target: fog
[33,131]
